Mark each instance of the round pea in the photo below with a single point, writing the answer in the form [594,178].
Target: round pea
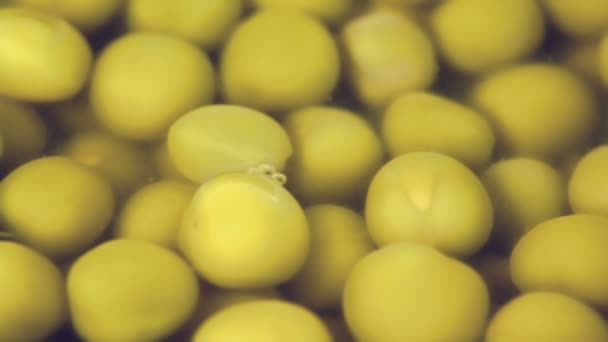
[568,254]
[338,240]
[142,82]
[475,36]
[128,290]
[421,121]
[386,54]
[32,71]
[32,300]
[244,231]
[411,292]
[154,212]
[336,153]
[524,192]
[56,205]
[546,317]
[263,320]
[279,60]
[205,23]
[123,163]
[215,139]
[429,198]
[537,110]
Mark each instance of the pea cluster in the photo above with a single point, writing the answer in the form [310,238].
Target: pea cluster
[304,170]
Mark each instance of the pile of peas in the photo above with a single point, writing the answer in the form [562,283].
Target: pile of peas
[304,170]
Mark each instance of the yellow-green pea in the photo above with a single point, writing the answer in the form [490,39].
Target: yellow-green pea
[126,165]
[129,290]
[421,121]
[429,198]
[32,300]
[475,36]
[568,254]
[24,134]
[386,54]
[86,15]
[546,317]
[524,192]
[580,18]
[142,82]
[537,110]
[206,23]
[412,292]
[261,320]
[336,153]
[338,241]
[331,11]
[56,205]
[215,139]
[279,60]
[588,185]
[32,71]
[154,212]
[244,231]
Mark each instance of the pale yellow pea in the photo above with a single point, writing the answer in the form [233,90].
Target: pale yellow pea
[338,240]
[476,36]
[546,317]
[142,82]
[126,165]
[524,192]
[129,290]
[336,153]
[56,205]
[32,71]
[412,292]
[537,110]
[429,198]
[279,60]
[215,139]
[568,254]
[244,231]
[386,54]
[32,300]
[261,321]
[154,213]
[206,23]
[422,121]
